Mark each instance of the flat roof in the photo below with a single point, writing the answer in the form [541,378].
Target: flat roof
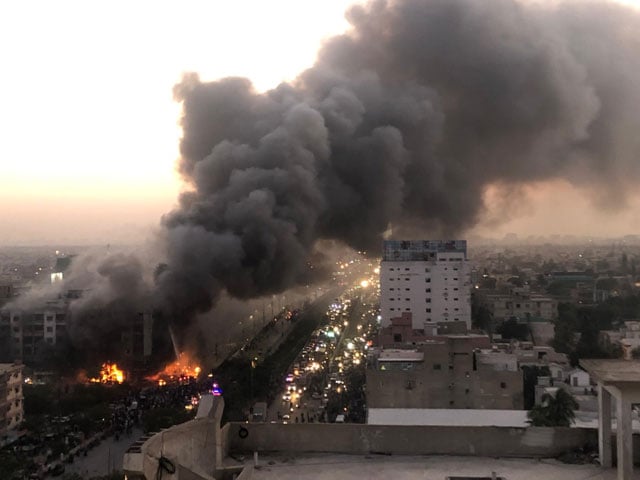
[397,355]
[358,467]
[613,371]
[447,416]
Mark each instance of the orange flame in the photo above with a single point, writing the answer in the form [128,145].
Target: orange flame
[183,367]
[109,373]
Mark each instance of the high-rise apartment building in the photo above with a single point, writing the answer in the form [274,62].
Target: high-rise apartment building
[428,278]
[24,332]
[11,407]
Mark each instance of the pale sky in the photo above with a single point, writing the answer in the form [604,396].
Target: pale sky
[89,134]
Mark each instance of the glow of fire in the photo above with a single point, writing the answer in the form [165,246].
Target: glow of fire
[183,367]
[109,373]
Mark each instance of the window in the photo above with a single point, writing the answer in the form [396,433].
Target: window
[406,269]
[451,402]
[391,269]
[392,309]
[428,300]
[466,390]
[407,289]
[397,337]
[455,269]
[407,279]
[428,290]
[50,329]
[437,366]
[428,280]
[407,309]
[407,299]
[428,310]
[455,279]
[426,270]
[455,289]
[455,299]
[456,309]
[503,385]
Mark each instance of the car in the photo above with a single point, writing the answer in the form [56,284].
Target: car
[286,416]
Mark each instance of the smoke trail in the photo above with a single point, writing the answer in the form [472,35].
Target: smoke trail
[404,120]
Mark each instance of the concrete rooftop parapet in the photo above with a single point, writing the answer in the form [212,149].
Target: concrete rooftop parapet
[612,371]
[619,379]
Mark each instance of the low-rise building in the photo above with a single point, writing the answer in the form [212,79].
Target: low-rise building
[453,371]
[520,303]
[627,338]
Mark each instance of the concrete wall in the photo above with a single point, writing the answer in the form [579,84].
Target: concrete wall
[446,379]
[412,440]
[190,445]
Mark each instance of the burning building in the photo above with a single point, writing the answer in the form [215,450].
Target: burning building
[405,121]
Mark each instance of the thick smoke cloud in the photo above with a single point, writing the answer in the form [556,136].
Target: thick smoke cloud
[403,121]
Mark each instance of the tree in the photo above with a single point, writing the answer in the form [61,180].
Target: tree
[555,410]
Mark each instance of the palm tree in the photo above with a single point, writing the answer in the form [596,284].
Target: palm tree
[554,411]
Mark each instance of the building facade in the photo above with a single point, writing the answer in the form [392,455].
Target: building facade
[25,333]
[447,372]
[11,399]
[429,279]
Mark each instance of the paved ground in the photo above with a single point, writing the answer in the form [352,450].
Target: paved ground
[104,458]
[348,467]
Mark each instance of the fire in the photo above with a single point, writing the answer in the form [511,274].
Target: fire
[109,373]
[183,368]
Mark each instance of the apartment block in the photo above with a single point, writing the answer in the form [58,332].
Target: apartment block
[429,279]
[11,399]
[453,371]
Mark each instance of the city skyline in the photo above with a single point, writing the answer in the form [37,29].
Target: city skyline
[92,135]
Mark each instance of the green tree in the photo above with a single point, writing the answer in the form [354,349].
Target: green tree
[555,410]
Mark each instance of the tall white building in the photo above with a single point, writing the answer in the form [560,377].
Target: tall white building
[429,278]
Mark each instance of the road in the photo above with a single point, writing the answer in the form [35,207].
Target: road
[104,458]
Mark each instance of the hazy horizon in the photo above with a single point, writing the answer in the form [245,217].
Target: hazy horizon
[91,129]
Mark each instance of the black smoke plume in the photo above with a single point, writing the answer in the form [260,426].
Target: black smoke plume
[403,121]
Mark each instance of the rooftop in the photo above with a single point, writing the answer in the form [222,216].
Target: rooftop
[357,467]
[613,371]
[440,416]
[397,355]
